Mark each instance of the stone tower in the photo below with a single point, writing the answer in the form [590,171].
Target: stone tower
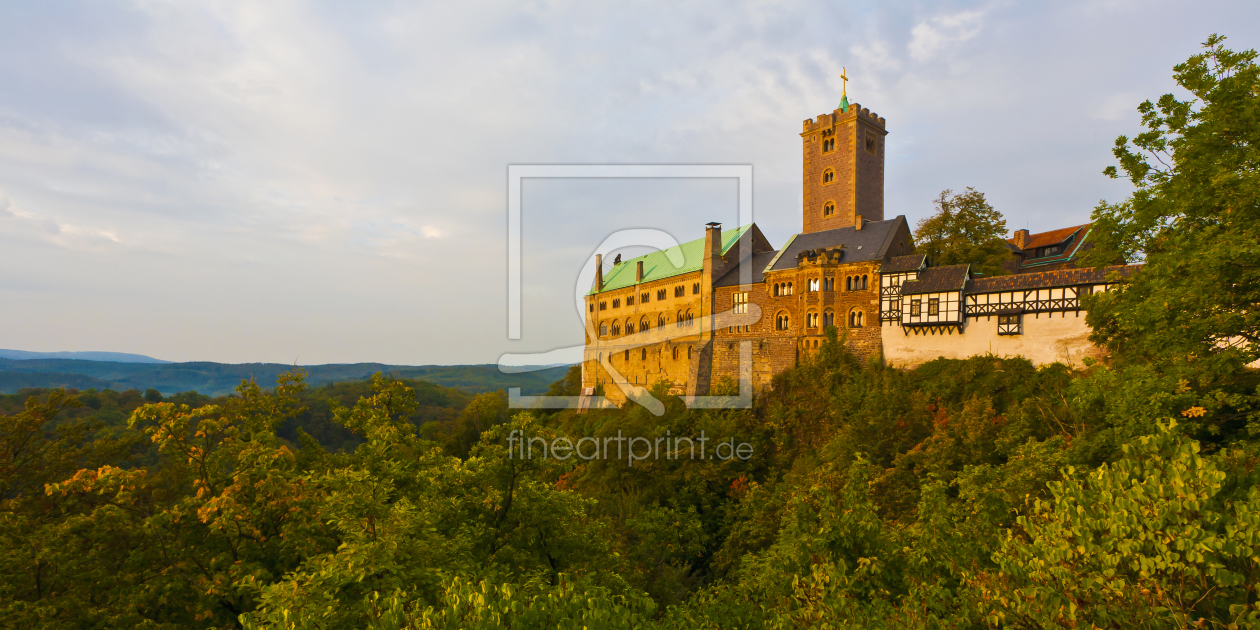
[843,176]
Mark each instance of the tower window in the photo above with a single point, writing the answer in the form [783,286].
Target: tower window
[829,176]
[829,209]
[870,145]
[829,144]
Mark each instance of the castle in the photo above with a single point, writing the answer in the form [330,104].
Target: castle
[649,319]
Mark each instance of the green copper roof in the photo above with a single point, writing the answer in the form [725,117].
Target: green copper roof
[657,265]
[844,103]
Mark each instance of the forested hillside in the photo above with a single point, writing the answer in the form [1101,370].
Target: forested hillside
[217,379]
[962,494]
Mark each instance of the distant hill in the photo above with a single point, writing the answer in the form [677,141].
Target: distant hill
[122,357]
[215,379]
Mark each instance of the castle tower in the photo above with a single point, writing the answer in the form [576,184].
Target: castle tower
[843,175]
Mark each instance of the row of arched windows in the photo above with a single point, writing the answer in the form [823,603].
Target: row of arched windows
[857,319]
[782,288]
[683,319]
[856,283]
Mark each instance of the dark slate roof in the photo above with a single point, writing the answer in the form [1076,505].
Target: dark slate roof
[936,279]
[1046,279]
[867,244]
[758,262]
[902,264]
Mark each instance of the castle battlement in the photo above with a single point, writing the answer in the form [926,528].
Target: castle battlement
[827,121]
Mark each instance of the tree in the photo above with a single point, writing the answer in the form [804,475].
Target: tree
[1193,217]
[964,229]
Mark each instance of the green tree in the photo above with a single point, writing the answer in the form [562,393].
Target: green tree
[964,229]
[1194,217]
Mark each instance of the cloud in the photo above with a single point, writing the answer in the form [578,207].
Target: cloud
[932,37]
[19,222]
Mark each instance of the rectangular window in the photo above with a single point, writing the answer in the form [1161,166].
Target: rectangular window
[1009,325]
[741,303]
[934,306]
[914,308]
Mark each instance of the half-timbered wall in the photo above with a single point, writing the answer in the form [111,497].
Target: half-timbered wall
[1044,325]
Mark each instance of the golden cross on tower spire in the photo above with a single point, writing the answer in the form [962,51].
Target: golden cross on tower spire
[844,86]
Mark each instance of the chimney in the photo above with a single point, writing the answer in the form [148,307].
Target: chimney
[638,273]
[1021,238]
[857,222]
[599,272]
[713,239]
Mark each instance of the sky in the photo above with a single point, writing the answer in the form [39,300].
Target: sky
[327,182]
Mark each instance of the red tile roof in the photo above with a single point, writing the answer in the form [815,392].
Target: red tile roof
[1053,237]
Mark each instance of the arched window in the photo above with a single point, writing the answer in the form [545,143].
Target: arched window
[813,284]
[689,318]
[829,209]
[627,355]
[856,318]
[695,288]
[864,285]
[644,357]
[789,288]
[688,353]
[901,248]
[829,318]
[811,320]
[776,289]
[781,321]
[848,283]
[629,327]
[829,176]
[675,353]
[680,321]
[603,329]
[616,328]
[660,320]
[644,324]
